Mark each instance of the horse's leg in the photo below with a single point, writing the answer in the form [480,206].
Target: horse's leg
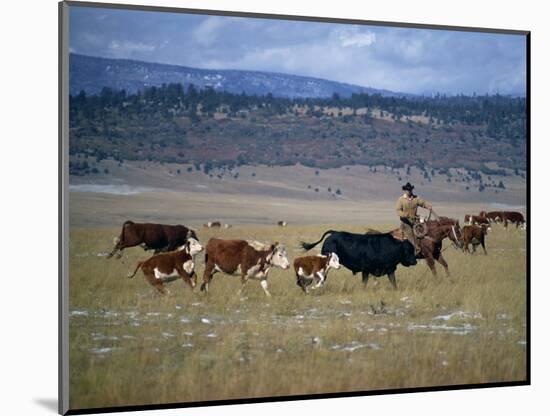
[428,255]
[442,261]
[431,265]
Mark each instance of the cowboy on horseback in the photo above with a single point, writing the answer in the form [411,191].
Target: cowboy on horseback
[406,208]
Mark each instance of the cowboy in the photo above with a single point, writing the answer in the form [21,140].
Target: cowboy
[406,210]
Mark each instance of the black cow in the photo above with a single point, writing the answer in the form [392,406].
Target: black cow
[376,254]
[158,237]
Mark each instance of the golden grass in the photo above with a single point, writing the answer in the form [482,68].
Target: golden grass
[129,345]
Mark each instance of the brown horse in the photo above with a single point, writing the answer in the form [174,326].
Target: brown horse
[431,244]
[443,221]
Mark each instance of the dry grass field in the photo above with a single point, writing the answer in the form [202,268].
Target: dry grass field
[131,346]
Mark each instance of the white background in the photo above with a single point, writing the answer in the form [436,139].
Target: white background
[28,231]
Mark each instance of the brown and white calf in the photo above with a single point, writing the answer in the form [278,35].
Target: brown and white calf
[249,259]
[166,267]
[492,216]
[475,235]
[477,220]
[314,268]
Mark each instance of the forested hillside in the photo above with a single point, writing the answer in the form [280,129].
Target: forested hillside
[213,129]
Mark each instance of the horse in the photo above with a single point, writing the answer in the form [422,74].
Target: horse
[431,244]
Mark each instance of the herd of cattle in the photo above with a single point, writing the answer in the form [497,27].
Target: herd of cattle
[372,253]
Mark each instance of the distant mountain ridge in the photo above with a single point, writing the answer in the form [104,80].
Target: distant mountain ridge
[91,74]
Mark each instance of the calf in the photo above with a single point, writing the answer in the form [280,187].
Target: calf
[477,220]
[495,216]
[491,216]
[281,223]
[474,234]
[165,267]
[310,268]
[249,259]
[157,237]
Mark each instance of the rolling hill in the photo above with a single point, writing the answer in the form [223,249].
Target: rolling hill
[91,74]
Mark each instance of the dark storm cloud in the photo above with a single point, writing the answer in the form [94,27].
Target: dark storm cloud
[398,59]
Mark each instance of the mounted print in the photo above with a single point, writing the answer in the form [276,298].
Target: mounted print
[265,208]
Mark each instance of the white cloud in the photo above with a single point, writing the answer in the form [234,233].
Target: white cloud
[124,48]
[353,37]
[412,50]
[206,33]
[401,59]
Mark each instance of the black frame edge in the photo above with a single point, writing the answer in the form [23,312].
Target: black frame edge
[528,208]
[257,15]
[63,327]
[294,398]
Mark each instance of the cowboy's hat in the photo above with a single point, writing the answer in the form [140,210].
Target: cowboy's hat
[407,187]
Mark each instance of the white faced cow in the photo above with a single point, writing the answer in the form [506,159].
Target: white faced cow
[249,259]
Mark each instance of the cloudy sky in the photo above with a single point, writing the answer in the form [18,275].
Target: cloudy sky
[398,59]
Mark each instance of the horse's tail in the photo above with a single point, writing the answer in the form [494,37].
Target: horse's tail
[309,246]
